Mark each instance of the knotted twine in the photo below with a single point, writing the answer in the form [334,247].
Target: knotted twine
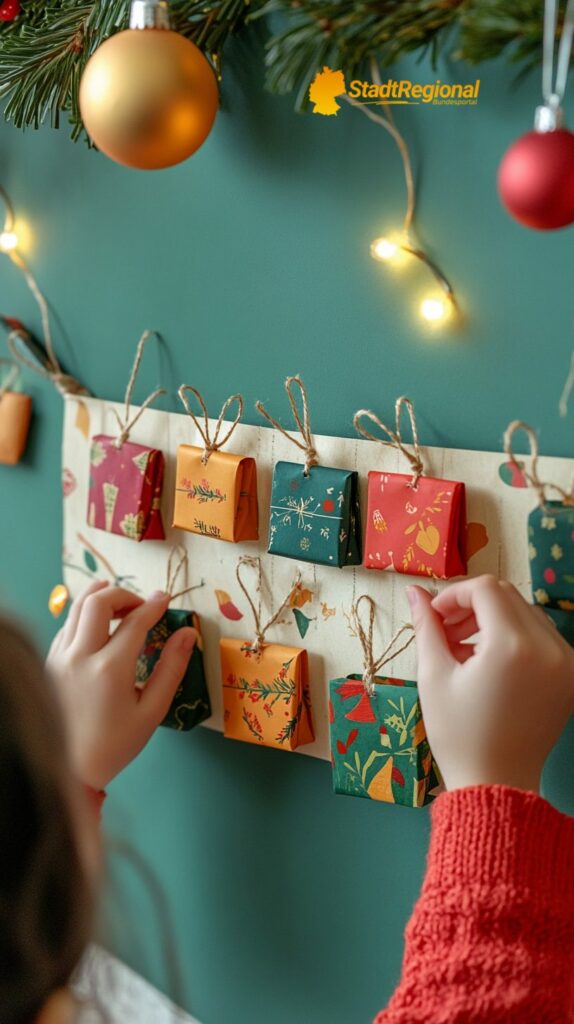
[124,423]
[303,423]
[260,630]
[211,444]
[173,571]
[414,457]
[11,377]
[532,476]
[372,667]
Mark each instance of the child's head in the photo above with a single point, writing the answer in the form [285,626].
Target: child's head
[45,893]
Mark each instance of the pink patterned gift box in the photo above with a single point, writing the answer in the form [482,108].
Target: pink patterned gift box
[125,489]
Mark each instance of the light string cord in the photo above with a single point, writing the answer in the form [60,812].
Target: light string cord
[211,444]
[395,437]
[64,382]
[11,377]
[372,666]
[124,423]
[406,244]
[307,445]
[567,389]
[254,562]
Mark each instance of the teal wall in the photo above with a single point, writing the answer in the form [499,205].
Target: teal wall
[285,903]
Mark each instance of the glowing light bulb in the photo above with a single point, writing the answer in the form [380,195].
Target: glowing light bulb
[384,249]
[8,241]
[434,309]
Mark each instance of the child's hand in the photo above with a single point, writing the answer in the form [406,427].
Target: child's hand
[108,720]
[495,708]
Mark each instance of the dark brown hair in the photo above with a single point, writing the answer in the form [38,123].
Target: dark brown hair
[45,894]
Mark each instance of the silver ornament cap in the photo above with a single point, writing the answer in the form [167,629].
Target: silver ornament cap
[149,14]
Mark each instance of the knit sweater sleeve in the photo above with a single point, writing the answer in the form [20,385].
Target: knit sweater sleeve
[491,936]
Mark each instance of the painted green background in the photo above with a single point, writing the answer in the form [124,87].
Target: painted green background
[285,903]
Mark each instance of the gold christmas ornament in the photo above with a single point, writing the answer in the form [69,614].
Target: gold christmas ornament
[148,96]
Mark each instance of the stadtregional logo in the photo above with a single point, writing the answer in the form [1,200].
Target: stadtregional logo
[328,84]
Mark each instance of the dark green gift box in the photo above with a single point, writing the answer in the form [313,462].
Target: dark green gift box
[379,746]
[190,706]
[315,517]
[551,553]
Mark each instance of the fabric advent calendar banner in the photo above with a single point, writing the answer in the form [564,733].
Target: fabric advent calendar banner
[317,614]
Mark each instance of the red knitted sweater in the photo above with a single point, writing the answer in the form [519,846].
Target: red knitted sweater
[491,936]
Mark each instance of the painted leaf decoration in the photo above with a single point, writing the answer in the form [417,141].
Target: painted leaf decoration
[512,475]
[82,421]
[352,737]
[226,606]
[90,561]
[363,710]
[380,786]
[341,747]
[300,595]
[397,776]
[476,538]
[69,482]
[302,622]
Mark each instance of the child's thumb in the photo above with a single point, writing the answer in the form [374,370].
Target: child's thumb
[434,658]
[168,673]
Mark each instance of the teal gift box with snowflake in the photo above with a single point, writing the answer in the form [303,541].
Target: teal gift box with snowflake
[379,746]
[551,554]
[315,515]
[190,705]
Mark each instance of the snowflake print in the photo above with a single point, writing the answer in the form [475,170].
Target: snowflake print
[304,543]
[556,552]
[548,523]
[541,596]
[532,552]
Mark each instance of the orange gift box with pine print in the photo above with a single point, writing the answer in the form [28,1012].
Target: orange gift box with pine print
[266,694]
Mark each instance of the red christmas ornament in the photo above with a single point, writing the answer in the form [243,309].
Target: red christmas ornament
[9,10]
[536,179]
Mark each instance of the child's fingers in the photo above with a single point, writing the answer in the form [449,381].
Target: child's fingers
[433,653]
[69,629]
[167,674]
[462,630]
[494,608]
[129,638]
[462,652]
[98,611]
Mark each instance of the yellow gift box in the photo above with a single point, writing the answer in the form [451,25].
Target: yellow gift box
[217,498]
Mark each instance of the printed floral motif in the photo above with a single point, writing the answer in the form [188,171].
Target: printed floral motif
[551,553]
[266,694]
[419,531]
[315,517]
[69,482]
[125,488]
[191,705]
[379,746]
[226,489]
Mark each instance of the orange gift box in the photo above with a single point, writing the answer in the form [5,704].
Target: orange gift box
[266,697]
[217,498]
[15,414]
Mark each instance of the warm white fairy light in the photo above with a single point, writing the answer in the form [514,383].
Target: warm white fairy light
[435,309]
[384,249]
[8,241]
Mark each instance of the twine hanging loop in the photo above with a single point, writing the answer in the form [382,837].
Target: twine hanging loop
[124,423]
[372,666]
[413,455]
[305,443]
[211,443]
[532,476]
[174,569]
[256,606]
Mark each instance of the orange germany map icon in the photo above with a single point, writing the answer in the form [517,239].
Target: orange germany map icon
[325,86]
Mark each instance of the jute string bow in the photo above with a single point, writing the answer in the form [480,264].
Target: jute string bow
[173,571]
[532,476]
[211,444]
[124,423]
[306,443]
[413,456]
[256,607]
[372,667]
[10,378]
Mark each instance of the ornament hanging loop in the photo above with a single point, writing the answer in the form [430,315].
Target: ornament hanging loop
[532,476]
[372,667]
[211,444]
[414,456]
[124,423]
[549,118]
[256,606]
[303,422]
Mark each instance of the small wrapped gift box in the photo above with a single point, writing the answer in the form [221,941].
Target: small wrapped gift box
[15,414]
[418,530]
[266,694]
[125,488]
[217,498]
[315,516]
[379,746]
[551,554]
[190,706]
